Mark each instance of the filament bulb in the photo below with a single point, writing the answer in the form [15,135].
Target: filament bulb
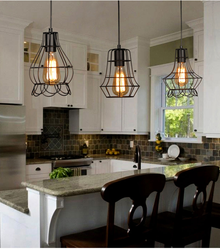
[51,73]
[120,83]
[181,78]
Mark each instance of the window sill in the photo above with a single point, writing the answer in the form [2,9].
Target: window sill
[181,140]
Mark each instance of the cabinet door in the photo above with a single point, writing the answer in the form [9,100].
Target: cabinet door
[111,114]
[102,166]
[78,86]
[78,56]
[199,101]
[11,66]
[198,49]
[33,107]
[90,118]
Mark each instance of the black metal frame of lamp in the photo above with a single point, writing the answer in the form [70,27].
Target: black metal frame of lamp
[50,44]
[173,84]
[116,59]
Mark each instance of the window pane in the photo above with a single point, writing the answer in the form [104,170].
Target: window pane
[35,47]
[93,58]
[32,58]
[94,67]
[26,57]
[178,123]
[26,46]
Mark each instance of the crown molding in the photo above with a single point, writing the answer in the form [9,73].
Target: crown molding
[171,37]
[13,23]
[136,41]
[196,25]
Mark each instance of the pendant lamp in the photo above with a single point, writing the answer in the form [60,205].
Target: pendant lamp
[182,81]
[51,71]
[119,79]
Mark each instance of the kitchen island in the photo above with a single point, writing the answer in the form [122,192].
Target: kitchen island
[64,206]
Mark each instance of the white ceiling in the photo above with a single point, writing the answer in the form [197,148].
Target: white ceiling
[98,19]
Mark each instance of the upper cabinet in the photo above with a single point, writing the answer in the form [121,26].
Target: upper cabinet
[211,69]
[77,54]
[115,115]
[11,60]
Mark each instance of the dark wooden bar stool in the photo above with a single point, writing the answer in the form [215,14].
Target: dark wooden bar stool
[191,224]
[137,188]
[215,215]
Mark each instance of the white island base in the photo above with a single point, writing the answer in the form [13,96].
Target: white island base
[51,217]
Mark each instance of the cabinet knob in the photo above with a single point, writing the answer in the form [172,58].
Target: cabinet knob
[135,71]
[195,130]
[134,166]
[196,59]
[100,73]
[102,129]
[71,105]
[81,129]
[37,169]
[134,129]
[68,105]
[100,161]
[92,161]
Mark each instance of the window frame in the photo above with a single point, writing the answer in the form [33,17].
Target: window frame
[156,123]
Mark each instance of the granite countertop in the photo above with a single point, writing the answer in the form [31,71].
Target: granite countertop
[16,199]
[93,183]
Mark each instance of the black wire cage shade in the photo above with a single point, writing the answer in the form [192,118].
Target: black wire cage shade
[119,77]
[182,81]
[119,81]
[51,71]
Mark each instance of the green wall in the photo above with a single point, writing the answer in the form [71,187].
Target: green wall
[165,53]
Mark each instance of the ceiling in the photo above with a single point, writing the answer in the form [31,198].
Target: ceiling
[98,19]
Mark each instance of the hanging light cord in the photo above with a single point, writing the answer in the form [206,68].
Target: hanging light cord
[51,15]
[119,45]
[181,26]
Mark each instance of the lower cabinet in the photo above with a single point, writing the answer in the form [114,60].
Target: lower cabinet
[101,166]
[38,172]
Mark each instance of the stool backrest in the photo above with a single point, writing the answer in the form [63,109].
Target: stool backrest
[137,188]
[201,210]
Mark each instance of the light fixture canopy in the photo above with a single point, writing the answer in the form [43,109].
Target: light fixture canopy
[119,81]
[182,81]
[51,71]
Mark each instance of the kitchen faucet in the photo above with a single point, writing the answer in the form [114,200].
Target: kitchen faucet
[137,156]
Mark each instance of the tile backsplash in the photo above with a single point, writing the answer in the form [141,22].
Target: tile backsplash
[56,139]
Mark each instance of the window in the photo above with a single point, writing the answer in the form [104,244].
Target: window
[176,116]
[92,62]
[30,50]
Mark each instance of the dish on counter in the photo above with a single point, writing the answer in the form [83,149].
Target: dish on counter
[173,151]
[167,159]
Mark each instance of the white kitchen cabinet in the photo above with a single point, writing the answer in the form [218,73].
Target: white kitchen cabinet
[12,60]
[88,120]
[77,53]
[198,45]
[199,101]
[77,99]
[33,107]
[101,166]
[211,116]
[36,172]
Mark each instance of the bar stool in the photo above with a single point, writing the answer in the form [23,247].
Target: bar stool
[193,223]
[137,188]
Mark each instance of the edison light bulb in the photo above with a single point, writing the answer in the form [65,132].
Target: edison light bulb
[181,78]
[120,83]
[51,73]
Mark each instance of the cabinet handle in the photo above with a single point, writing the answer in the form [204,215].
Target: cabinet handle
[135,71]
[134,129]
[134,166]
[100,73]
[37,169]
[68,105]
[100,161]
[195,130]
[81,129]
[71,105]
[102,129]
[196,59]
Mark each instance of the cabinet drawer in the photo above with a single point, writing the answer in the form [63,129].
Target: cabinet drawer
[38,169]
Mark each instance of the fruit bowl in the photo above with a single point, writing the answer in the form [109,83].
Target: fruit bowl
[112,152]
